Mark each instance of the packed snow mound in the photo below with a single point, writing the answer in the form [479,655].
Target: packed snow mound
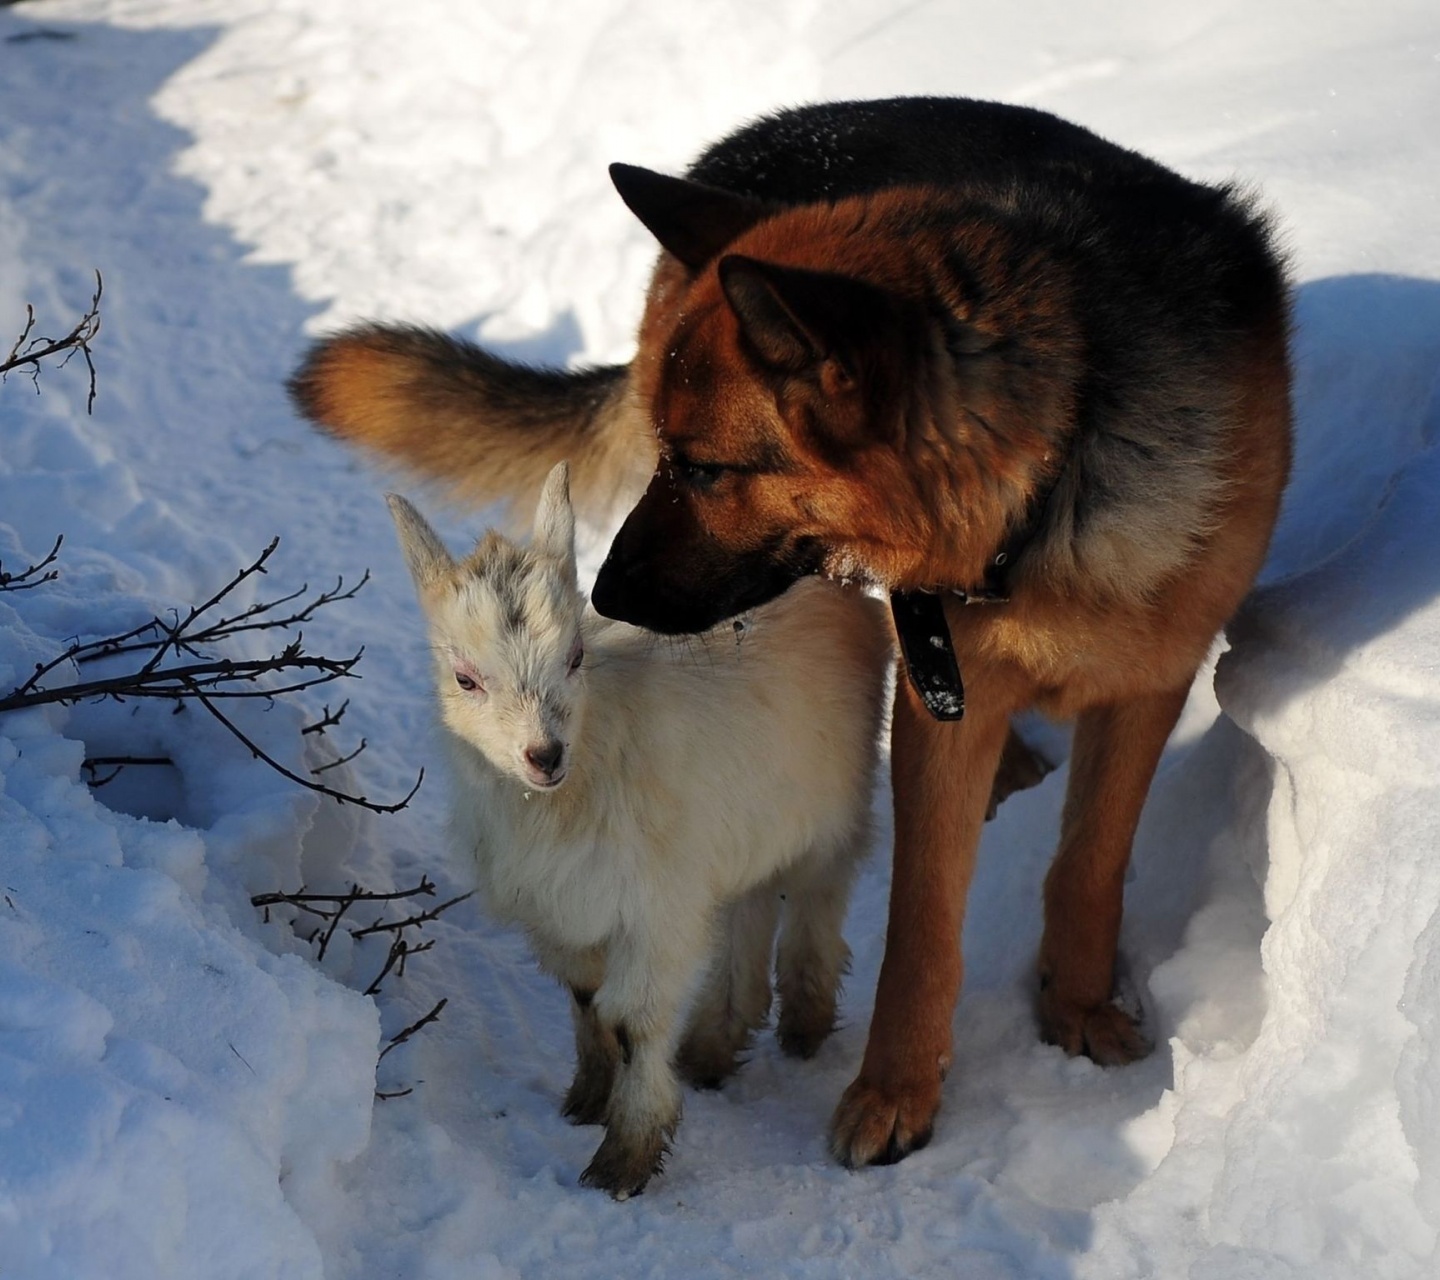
[178,1091]
[1313,1145]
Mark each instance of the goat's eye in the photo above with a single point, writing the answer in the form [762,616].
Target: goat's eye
[468,683]
[577,656]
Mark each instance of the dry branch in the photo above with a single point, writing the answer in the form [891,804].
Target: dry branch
[31,350]
[209,678]
[26,578]
[397,1041]
[332,908]
[93,764]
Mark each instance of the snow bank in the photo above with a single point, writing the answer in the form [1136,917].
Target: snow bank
[175,1095]
[1312,1148]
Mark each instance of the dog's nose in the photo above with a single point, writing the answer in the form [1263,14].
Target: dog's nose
[616,588]
[545,756]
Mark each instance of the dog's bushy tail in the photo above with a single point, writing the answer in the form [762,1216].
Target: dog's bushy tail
[488,429]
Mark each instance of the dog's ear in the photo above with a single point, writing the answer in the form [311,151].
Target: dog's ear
[425,555]
[796,319]
[555,520]
[691,220]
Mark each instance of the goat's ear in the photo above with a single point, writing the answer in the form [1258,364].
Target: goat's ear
[555,520]
[691,220]
[425,555]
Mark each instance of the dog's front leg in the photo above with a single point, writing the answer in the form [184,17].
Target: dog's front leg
[1116,750]
[941,775]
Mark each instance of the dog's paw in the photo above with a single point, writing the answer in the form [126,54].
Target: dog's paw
[1105,1033]
[876,1126]
[622,1167]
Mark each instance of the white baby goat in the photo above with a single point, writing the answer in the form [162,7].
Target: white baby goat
[642,807]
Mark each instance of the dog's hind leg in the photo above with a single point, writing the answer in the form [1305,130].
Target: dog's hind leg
[735,997]
[1117,748]
[812,957]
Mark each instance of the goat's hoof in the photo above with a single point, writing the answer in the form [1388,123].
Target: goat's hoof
[622,1167]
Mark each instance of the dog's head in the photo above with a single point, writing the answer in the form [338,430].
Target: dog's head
[506,631]
[778,392]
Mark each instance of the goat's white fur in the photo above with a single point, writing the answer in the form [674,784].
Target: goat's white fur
[699,781]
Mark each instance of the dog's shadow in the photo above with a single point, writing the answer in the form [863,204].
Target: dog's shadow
[1367,410]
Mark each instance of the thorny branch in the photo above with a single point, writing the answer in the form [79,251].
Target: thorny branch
[409,1031]
[332,908]
[93,764]
[308,783]
[31,350]
[209,679]
[213,678]
[328,719]
[426,887]
[399,950]
[26,579]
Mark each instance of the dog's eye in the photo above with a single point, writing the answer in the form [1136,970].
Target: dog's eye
[466,682]
[699,476]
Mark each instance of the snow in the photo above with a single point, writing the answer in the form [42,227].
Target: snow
[186,1092]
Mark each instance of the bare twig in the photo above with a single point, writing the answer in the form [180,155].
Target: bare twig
[413,922]
[328,932]
[426,888]
[32,350]
[26,579]
[335,764]
[328,720]
[162,635]
[93,764]
[212,679]
[332,908]
[309,784]
[398,1040]
[209,679]
[400,951]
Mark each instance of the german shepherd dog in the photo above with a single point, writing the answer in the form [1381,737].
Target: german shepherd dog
[1032,384]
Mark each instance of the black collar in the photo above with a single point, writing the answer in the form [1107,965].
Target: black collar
[924,635]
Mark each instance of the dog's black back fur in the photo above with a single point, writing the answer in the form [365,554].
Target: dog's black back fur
[832,150]
[1004,156]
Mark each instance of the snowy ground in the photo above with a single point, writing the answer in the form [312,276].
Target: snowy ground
[184,1093]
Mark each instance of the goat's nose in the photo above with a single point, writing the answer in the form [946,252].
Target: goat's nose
[545,756]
